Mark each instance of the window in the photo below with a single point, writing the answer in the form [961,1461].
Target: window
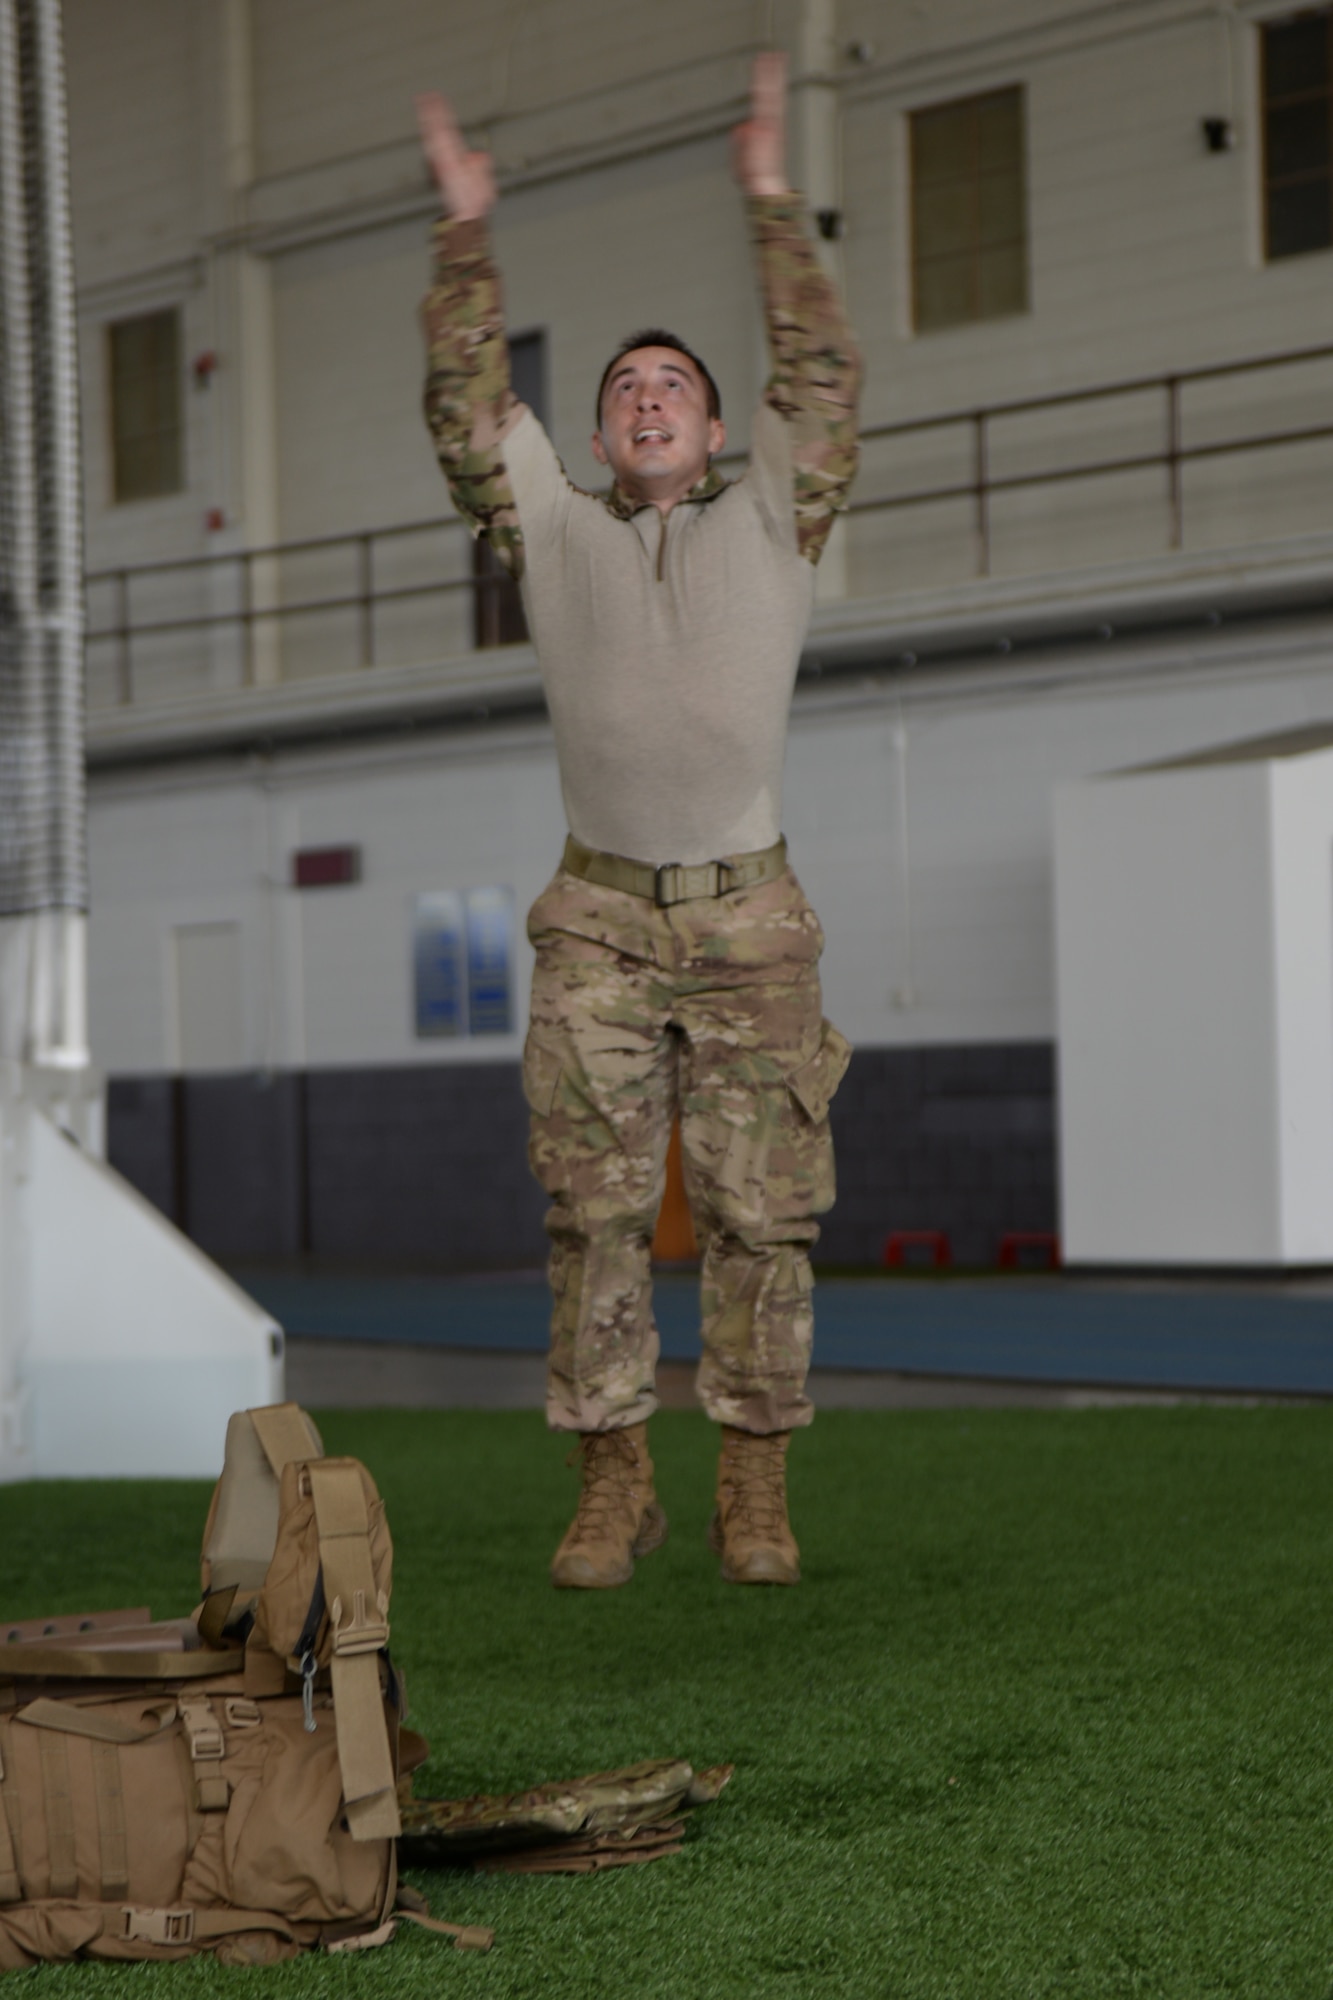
[969,211]
[1298,133]
[497,616]
[145,371]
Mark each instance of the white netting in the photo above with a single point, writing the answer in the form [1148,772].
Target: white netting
[42,834]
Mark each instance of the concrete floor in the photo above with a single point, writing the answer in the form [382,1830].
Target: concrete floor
[1062,1341]
[352,1375]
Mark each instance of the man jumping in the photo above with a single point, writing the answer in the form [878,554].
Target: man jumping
[677,957]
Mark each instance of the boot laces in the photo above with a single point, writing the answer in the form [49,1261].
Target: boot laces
[607,1481]
[758,1486]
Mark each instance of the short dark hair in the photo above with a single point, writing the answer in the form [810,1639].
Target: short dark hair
[658,336]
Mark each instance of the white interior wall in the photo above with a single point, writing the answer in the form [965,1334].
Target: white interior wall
[1145,248]
[1145,257]
[962,932]
[134,82]
[349,71]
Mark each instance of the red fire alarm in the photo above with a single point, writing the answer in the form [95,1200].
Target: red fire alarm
[205,368]
[325,867]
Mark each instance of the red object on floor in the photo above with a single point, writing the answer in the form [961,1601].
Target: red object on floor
[1016,1240]
[900,1241]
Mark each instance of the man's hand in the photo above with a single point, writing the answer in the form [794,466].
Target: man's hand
[466,180]
[759,146]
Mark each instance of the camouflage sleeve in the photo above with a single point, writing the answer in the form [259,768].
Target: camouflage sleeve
[469,404]
[816,367]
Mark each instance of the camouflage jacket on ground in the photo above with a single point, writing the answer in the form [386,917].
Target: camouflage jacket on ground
[813,386]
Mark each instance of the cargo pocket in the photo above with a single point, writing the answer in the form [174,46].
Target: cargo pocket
[541,1076]
[811,1089]
[814,1083]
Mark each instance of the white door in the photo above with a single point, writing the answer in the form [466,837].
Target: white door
[210,1013]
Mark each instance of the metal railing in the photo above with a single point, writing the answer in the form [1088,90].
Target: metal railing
[258,604]
[1174,455]
[248,616]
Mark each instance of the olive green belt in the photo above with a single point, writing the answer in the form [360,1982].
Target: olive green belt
[674,881]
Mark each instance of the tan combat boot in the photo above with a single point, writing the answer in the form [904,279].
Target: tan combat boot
[750,1529]
[618,1515]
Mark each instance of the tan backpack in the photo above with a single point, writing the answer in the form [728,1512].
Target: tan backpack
[226,1783]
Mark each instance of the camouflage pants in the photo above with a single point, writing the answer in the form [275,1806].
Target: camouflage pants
[711,1009]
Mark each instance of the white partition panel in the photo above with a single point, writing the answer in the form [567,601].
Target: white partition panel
[124,1349]
[1194,959]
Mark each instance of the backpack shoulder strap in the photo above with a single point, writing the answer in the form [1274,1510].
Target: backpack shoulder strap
[285,1432]
[359,1630]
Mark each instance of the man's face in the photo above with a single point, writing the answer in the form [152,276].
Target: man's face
[656,434]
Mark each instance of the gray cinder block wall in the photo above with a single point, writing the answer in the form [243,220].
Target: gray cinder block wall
[414,1166]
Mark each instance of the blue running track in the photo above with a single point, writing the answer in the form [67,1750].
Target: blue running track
[1005,1329]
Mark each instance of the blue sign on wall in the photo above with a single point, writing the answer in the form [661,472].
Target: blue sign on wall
[463,962]
[490,961]
[439,958]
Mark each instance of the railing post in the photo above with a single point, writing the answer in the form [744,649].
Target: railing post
[981,489]
[366,552]
[1175,495]
[247,615]
[126,657]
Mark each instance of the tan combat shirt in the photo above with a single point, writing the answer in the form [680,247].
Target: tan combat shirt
[668,644]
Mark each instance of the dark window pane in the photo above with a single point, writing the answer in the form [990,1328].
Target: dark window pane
[1000,209]
[1000,123]
[135,407]
[945,219]
[944,293]
[169,468]
[943,144]
[1300,218]
[1002,282]
[497,607]
[1298,139]
[969,210]
[527,371]
[145,389]
[1296,56]
[134,470]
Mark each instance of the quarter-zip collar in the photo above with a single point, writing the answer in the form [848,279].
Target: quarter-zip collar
[618,502]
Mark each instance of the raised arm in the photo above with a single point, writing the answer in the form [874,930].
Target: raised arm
[816,367]
[470,406]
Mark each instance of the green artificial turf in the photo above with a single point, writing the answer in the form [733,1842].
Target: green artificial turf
[1049,1715]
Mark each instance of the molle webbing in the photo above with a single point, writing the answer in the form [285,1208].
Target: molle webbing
[105,1734]
[111,1840]
[59,1801]
[207,1748]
